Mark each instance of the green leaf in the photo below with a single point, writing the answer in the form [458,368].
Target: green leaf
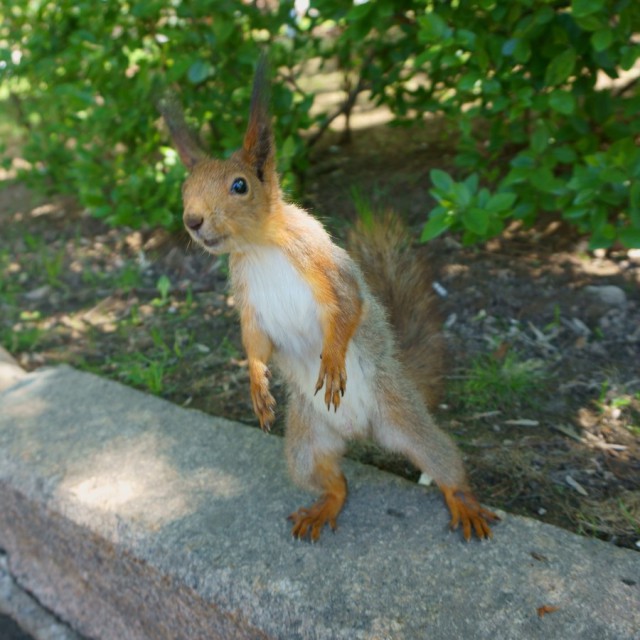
[522,52]
[359,11]
[562,102]
[500,202]
[581,8]
[575,213]
[634,195]
[629,56]
[509,47]
[545,181]
[441,180]
[634,204]
[540,138]
[544,15]
[476,220]
[560,68]
[461,194]
[436,225]
[471,182]
[613,175]
[288,149]
[603,236]
[601,39]
[566,155]
[163,286]
[199,71]
[432,27]
[630,237]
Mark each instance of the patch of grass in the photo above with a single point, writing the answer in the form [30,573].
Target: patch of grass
[632,518]
[129,277]
[24,336]
[152,370]
[53,264]
[492,383]
[145,372]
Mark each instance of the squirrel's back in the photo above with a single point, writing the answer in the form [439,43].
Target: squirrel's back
[401,278]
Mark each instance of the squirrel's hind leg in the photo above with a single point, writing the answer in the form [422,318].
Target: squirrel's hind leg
[407,427]
[313,454]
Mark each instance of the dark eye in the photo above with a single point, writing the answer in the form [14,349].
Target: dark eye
[239,186]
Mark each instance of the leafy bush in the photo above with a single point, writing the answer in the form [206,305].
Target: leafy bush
[88,74]
[522,79]
[536,129]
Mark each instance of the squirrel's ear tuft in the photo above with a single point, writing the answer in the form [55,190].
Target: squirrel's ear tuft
[258,146]
[184,140]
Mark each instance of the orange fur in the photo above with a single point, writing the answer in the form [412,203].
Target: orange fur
[310,521]
[466,511]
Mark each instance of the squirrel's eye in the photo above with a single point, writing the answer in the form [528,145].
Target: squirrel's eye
[239,186]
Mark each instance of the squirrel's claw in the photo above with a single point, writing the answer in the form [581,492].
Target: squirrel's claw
[466,511]
[333,377]
[264,403]
[309,522]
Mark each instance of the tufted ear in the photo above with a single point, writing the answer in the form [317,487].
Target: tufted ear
[184,140]
[258,148]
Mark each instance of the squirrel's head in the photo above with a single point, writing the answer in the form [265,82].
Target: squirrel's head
[228,202]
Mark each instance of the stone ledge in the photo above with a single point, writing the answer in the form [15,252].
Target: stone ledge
[132,518]
[27,612]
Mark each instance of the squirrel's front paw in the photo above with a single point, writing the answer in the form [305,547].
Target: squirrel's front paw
[333,377]
[264,403]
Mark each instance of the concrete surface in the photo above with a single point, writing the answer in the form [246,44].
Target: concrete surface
[20,607]
[132,518]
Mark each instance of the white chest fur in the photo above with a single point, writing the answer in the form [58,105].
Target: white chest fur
[283,303]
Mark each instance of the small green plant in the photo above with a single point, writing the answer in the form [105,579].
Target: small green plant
[363,206]
[142,371]
[631,518]
[556,322]
[53,264]
[491,383]
[164,287]
[25,335]
[467,207]
[128,277]
[151,370]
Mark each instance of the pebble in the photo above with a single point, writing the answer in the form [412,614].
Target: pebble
[38,294]
[608,294]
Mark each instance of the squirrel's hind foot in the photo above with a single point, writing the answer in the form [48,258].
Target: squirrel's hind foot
[466,511]
[310,521]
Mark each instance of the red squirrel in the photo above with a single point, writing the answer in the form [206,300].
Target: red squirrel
[305,304]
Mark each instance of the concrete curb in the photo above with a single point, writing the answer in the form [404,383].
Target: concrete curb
[27,612]
[132,518]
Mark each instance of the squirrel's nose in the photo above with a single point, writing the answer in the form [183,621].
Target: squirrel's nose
[193,221]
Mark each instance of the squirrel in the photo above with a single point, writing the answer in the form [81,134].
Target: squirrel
[305,304]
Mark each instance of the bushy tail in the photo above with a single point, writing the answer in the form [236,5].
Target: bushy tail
[400,277]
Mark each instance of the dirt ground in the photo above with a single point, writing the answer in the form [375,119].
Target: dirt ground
[544,388]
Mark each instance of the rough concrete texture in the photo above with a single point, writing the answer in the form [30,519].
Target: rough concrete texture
[27,611]
[133,518]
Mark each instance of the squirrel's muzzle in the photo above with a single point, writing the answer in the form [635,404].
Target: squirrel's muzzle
[193,221]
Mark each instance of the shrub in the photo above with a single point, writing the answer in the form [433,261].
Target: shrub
[522,79]
[536,131]
[88,74]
